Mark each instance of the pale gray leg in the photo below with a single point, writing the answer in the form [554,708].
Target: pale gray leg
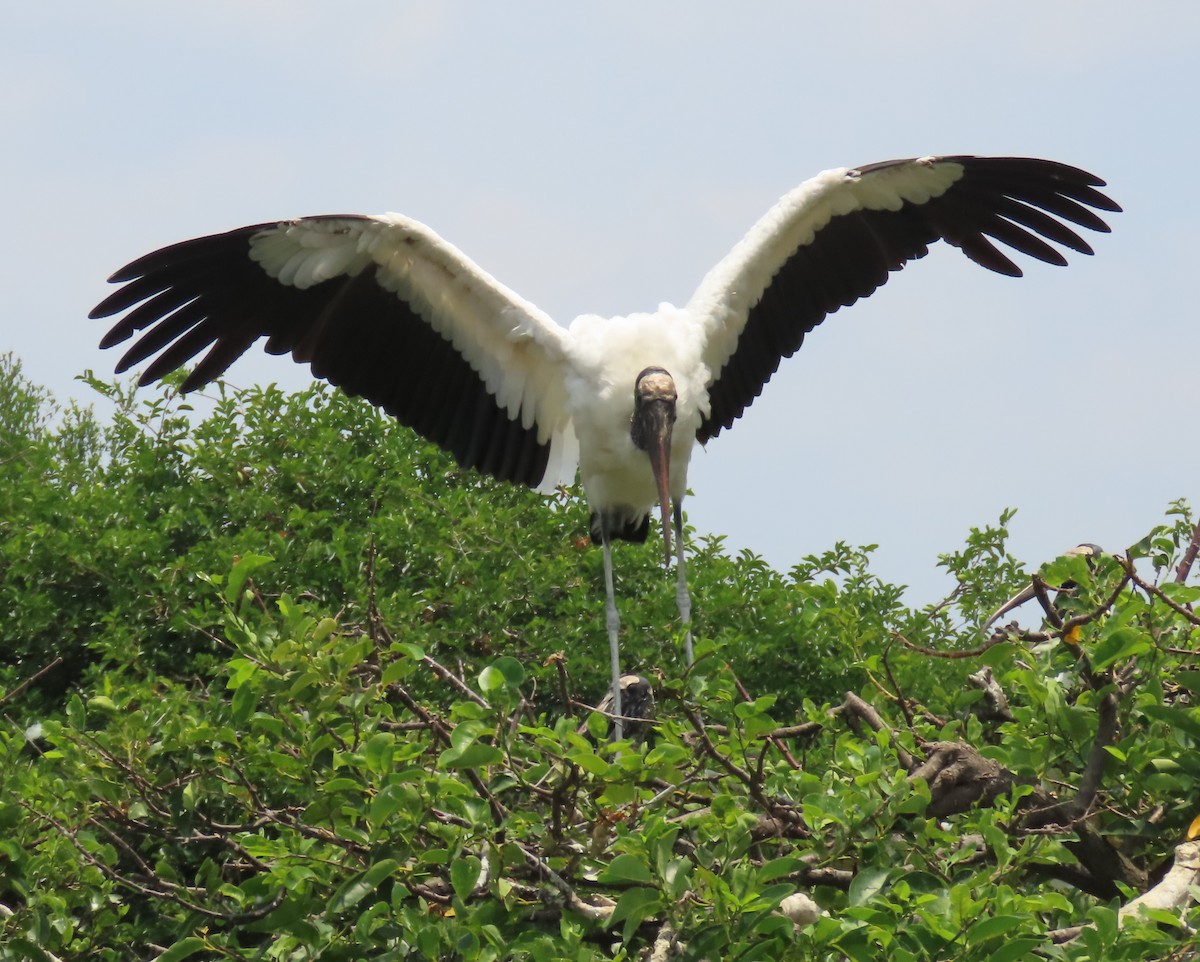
[683,600]
[613,622]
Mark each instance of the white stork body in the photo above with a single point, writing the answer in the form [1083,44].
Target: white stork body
[386,309]
[605,358]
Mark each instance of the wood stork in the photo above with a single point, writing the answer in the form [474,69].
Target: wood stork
[386,309]
[1088,551]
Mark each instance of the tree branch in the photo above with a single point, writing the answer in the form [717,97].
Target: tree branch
[31,679]
[1175,890]
[1189,556]
[855,708]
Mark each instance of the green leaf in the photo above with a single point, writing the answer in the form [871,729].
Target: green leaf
[634,907]
[240,573]
[474,755]
[1161,917]
[389,800]
[379,750]
[592,763]
[1119,644]
[778,868]
[1175,718]
[625,868]
[464,873]
[502,673]
[1018,949]
[867,884]
[991,927]
[324,628]
[181,950]
[245,700]
[358,888]
[76,715]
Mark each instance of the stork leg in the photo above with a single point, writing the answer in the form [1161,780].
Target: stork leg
[683,600]
[613,621]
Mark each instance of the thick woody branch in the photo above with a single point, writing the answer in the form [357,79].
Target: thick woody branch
[959,777]
[1176,890]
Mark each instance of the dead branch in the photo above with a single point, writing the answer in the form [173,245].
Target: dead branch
[1174,891]
[1176,888]
[597,913]
[996,702]
[998,638]
[664,945]
[959,777]
[854,710]
[1189,556]
[31,679]
[1157,592]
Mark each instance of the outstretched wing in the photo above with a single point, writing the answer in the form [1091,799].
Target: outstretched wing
[381,307]
[835,238]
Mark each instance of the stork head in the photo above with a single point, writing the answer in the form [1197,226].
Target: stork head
[654,397]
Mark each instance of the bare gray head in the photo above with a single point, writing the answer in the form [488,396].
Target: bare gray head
[654,398]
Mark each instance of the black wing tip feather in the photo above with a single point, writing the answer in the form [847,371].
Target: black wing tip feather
[1068,181]
[183,252]
[1077,183]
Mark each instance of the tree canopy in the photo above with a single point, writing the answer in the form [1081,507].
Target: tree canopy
[278,681]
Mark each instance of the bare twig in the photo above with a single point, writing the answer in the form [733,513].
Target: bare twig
[558,659]
[7,913]
[998,638]
[1042,592]
[1189,556]
[1157,592]
[746,696]
[1104,607]
[454,681]
[170,891]
[31,679]
[753,785]
[901,698]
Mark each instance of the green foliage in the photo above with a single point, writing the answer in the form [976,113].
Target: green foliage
[311,705]
[111,527]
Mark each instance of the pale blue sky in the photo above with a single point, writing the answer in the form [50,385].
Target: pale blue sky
[600,158]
